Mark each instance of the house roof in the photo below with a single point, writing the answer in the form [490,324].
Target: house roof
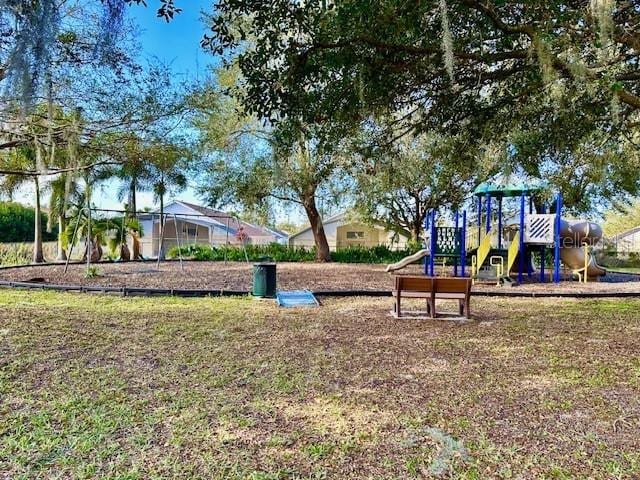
[225,218]
[278,233]
[623,235]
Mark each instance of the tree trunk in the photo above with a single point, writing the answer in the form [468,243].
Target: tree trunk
[125,254]
[416,231]
[62,225]
[320,238]
[417,222]
[133,207]
[96,250]
[38,256]
[135,242]
[161,248]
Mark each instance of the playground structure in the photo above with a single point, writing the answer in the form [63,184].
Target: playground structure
[503,248]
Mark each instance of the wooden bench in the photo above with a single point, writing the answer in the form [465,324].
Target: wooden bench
[431,289]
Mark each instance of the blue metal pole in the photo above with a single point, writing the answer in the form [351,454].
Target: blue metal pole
[455,241]
[499,223]
[463,246]
[488,219]
[529,253]
[556,248]
[542,251]
[434,243]
[521,240]
[479,217]
[426,230]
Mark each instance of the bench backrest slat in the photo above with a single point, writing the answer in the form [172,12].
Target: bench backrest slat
[414,284]
[452,285]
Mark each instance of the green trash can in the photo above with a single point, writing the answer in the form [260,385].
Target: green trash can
[264,280]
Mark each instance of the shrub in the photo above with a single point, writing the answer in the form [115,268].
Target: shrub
[22,253]
[92,272]
[377,254]
[15,253]
[632,260]
[283,253]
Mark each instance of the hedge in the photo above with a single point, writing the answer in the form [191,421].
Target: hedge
[282,253]
[17,223]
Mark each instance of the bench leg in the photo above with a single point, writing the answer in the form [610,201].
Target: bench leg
[467,311]
[397,306]
[432,307]
[460,307]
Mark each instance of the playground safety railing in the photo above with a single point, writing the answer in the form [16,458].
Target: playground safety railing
[473,238]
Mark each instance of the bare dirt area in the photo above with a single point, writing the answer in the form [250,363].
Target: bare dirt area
[237,276]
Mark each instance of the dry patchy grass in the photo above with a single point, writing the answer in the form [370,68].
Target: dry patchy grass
[99,386]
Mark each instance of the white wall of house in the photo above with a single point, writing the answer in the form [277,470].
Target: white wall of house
[147,238]
[193,227]
[305,238]
[629,242]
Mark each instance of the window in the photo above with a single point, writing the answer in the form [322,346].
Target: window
[190,231]
[355,235]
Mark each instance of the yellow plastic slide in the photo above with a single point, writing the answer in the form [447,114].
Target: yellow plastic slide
[573,235]
[407,260]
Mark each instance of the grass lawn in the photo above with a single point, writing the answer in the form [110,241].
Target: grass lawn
[127,388]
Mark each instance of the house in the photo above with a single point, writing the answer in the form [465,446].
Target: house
[626,242]
[344,230]
[188,224]
[281,236]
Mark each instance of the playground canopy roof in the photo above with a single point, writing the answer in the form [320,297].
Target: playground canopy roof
[505,190]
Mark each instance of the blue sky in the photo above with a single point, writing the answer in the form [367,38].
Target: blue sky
[176,44]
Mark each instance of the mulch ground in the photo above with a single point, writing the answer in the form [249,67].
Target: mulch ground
[238,277]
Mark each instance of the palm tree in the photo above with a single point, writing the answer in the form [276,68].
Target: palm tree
[55,143]
[82,223]
[132,170]
[92,231]
[61,190]
[120,228]
[166,175]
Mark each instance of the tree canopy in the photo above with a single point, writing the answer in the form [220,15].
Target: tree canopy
[397,187]
[553,84]
[341,60]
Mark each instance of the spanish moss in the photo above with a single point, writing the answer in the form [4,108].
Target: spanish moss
[35,27]
[447,39]
[602,11]
[29,30]
[110,24]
